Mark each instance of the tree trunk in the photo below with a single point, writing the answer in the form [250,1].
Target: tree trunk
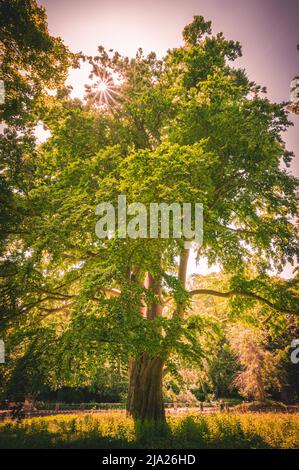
[145,398]
[182,276]
[145,401]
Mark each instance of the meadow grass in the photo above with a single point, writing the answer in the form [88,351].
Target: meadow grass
[115,430]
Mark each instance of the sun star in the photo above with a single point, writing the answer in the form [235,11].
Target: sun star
[105,91]
[103,86]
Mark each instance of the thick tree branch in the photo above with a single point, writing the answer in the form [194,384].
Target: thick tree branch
[112,292]
[54,293]
[182,276]
[27,307]
[55,309]
[156,309]
[238,230]
[251,295]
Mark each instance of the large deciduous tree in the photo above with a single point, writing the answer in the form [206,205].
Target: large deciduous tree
[186,128]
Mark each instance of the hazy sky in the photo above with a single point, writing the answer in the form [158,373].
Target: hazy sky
[267,29]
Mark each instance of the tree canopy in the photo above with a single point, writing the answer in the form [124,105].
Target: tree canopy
[189,127]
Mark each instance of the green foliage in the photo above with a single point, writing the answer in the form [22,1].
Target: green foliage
[260,368]
[186,128]
[31,59]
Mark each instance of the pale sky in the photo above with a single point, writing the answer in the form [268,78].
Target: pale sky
[268,31]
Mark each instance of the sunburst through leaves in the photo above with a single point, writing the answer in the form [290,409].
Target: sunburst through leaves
[103,92]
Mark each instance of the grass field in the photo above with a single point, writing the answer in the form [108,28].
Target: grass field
[113,430]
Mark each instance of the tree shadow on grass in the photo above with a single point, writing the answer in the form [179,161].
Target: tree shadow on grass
[152,434]
[196,433]
[46,440]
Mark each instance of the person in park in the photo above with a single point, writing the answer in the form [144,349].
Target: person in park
[17,412]
[189,127]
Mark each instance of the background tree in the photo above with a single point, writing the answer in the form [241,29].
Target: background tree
[32,63]
[32,60]
[260,368]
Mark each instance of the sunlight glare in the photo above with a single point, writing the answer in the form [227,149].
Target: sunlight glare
[103,86]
